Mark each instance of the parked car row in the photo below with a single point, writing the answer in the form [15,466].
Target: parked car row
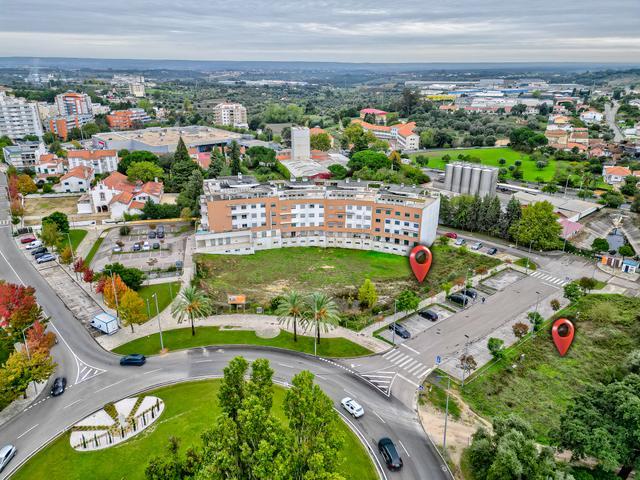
[464,296]
[477,246]
[138,246]
[157,233]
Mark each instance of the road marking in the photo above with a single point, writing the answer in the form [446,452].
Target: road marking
[413,350]
[349,393]
[73,403]
[286,366]
[378,376]
[389,353]
[405,362]
[550,285]
[203,361]
[23,434]
[116,383]
[396,354]
[404,448]
[152,371]
[426,372]
[399,359]
[415,368]
[409,381]
[12,269]
[376,414]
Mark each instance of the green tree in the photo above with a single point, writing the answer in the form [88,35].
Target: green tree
[600,245]
[321,313]
[60,219]
[217,165]
[21,369]
[50,234]
[181,172]
[291,308]
[189,196]
[315,441]
[261,383]
[129,158]
[496,348]
[407,301]
[234,153]
[144,171]
[572,292]
[603,423]
[626,251]
[613,199]
[182,153]
[587,284]
[191,305]
[338,171]
[131,276]
[538,227]
[368,159]
[367,294]
[321,141]
[233,387]
[66,256]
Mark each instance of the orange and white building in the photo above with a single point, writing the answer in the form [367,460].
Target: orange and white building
[128,119]
[401,136]
[117,195]
[102,161]
[379,115]
[615,174]
[240,216]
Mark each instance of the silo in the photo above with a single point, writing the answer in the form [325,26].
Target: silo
[494,180]
[448,176]
[475,180]
[457,175]
[485,182]
[466,179]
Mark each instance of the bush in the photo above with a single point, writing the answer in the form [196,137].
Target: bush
[125,230]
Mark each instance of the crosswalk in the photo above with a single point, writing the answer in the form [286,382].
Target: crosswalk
[4,222]
[407,363]
[549,279]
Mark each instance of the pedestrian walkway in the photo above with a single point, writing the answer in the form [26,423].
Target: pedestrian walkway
[407,363]
[549,279]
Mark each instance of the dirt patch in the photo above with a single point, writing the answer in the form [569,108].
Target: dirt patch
[43,206]
[268,332]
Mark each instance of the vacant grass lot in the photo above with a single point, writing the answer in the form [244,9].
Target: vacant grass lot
[181,338]
[43,206]
[491,157]
[338,272]
[542,385]
[75,235]
[166,292]
[190,408]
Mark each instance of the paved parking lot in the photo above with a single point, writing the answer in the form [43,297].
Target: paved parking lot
[171,248]
[416,324]
[503,279]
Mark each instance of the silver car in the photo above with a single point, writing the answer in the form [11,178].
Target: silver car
[6,454]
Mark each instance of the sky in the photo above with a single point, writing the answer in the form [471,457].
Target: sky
[325,30]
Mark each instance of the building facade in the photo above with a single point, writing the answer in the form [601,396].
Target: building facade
[230,114]
[19,118]
[240,215]
[72,104]
[128,119]
[76,180]
[101,161]
[24,154]
[401,136]
[117,195]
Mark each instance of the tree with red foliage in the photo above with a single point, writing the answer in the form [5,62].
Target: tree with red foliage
[79,265]
[38,339]
[101,283]
[18,308]
[13,187]
[88,275]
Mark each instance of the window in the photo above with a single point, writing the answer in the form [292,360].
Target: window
[397,214]
[407,214]
[415,215]
[377,220]
[378,210]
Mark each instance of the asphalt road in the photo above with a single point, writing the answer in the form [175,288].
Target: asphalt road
[610,115]
[95,377]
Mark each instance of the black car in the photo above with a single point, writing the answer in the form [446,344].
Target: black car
[156,246]
[492,251]
[469,292]
[133,359]
[38,250]
[152,234]
[429,315]
[389,453]
[460,299]
[400,330]
[59,384]
[160,234]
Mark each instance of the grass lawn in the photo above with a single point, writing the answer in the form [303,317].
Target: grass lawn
[94,250]
[525,262]
[181,338]
[491,157]
[75,235]
[437,396]
[164,291]
[335,271]
[543,385]
[43,206]
[190,408]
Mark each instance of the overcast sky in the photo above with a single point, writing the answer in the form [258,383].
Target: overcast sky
[325,30]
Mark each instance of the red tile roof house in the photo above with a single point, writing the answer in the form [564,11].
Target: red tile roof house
[379,115]
[614,174]
[117,195]
[49,166]
[77,179]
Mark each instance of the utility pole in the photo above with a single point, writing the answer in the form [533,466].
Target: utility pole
[73,257]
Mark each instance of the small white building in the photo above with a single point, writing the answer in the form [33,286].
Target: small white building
[78,179]
[591,116]
[614,174]
[101,161]
[49,165]
[117,195]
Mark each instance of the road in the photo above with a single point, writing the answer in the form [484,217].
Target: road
[610,113]
[95,377]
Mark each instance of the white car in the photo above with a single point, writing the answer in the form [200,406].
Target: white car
[34,244]
[477,246]
[146,246]
[6,454]
[116,249]
[353,407]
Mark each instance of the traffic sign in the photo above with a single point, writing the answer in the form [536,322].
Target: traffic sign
[438,360]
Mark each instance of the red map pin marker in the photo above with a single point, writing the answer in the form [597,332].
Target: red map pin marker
[562,333]
[420,261]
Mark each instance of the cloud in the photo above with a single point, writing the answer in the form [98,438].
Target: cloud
[360,30]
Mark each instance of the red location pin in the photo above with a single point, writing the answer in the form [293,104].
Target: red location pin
[420,261]
[562,333]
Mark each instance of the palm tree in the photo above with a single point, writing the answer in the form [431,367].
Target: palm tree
[191,304]
[290,308]
[322,312]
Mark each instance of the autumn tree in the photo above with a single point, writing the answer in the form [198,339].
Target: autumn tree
[114,289]
[88,275]
[20,369]
[39,339]
[132,309]
[79,265]
[520,329]
[66,256]
[50,234]
[26,185]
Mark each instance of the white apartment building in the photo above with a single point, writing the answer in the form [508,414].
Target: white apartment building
[18,117]
[73,104]
[240,216]
[137,89]
[231,114]
[300,144]
[24,154]
[101,161]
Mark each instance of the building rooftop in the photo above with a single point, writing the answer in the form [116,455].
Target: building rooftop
[157,136]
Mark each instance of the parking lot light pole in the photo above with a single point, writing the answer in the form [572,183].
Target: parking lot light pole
[464,363]
[158,318]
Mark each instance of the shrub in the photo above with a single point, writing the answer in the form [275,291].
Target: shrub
[125,230]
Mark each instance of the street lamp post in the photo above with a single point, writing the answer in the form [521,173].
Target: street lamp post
[115,294]
[446,416]
[395,311]
[73,257]
[464,363]
[26,346]
[158,318]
